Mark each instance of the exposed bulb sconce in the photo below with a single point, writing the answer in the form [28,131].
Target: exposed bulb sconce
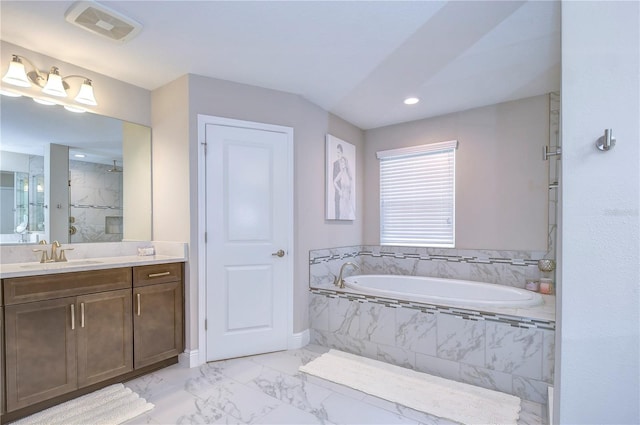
[52,82]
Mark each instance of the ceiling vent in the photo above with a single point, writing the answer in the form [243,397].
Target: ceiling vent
[103,21]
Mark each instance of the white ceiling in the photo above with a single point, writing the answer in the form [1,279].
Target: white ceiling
[356,59]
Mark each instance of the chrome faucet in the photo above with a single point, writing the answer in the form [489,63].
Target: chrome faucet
[339,281]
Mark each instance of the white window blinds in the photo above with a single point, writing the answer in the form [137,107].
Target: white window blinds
[417,195]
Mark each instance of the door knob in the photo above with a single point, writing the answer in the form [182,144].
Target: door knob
[279,253]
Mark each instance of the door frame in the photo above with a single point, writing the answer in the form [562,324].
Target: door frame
[203,121]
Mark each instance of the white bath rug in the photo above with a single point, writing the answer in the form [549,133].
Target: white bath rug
[111,405]
[437,396]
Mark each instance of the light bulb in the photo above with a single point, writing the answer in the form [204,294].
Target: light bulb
[85,95]
[16,75]
[54,86]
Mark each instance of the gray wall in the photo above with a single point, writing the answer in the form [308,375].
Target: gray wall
[175,162]
[501,179]
[598,378]
[115,98]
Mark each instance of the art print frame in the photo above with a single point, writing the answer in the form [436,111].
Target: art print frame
[340,179]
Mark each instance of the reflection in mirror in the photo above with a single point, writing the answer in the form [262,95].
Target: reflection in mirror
[82,177]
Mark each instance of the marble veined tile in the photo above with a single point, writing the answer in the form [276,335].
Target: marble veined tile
[239,401]
[416,331]
[268,389]
[416,415]
[461,340]
[514,350]
[344,317]
[290,415]
[286,361]
[377,323]
[294,391]
[342,410]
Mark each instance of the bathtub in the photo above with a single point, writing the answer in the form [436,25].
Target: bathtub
[432,290]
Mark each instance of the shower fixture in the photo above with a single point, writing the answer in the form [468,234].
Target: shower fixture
[115,168]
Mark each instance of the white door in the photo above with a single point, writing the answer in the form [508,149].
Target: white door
[249,212]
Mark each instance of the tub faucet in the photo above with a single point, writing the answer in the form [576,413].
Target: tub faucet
[339,281]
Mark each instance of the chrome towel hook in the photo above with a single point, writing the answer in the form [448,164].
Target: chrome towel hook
[546,153]
[606,142]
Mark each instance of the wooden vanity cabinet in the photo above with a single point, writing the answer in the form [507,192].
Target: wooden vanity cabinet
[2,403]
[65,331]
[158,316]
[104,336]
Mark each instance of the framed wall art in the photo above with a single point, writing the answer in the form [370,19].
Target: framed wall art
[340,179]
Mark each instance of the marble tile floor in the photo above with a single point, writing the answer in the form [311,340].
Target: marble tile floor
[268,389]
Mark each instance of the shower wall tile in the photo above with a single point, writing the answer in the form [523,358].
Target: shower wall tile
[514,350]
[461,340]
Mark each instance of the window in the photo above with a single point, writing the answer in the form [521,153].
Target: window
[417,195]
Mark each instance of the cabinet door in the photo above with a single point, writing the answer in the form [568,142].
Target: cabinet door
[40,351]
[1,363]
[158,323]
[105,336]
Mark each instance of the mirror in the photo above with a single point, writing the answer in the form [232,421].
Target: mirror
[72,177]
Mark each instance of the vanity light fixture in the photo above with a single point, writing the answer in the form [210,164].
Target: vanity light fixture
[52,82]
[43,101]
[75,109]
[411,100]
[9,93]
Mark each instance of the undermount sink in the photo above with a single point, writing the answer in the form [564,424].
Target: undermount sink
[62,264]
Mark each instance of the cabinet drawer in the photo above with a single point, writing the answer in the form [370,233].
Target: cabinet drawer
[157,273]
[44,287]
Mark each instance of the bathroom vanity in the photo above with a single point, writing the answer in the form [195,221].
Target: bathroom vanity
[71,329]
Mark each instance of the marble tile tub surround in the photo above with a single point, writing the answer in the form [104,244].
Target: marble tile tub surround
[473,350]
[512,268]
[11,254]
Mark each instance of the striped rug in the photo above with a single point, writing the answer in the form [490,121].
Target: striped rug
[437,396]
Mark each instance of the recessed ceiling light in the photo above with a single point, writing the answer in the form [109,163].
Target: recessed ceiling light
[411,101]
[79,155]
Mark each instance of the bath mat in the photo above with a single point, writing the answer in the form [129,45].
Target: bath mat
[437,396]
[112,405]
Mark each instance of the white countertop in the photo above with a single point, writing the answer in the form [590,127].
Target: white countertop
[19,261]
[33,269]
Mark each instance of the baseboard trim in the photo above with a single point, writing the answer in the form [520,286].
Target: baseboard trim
[299,340]
[189,359]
